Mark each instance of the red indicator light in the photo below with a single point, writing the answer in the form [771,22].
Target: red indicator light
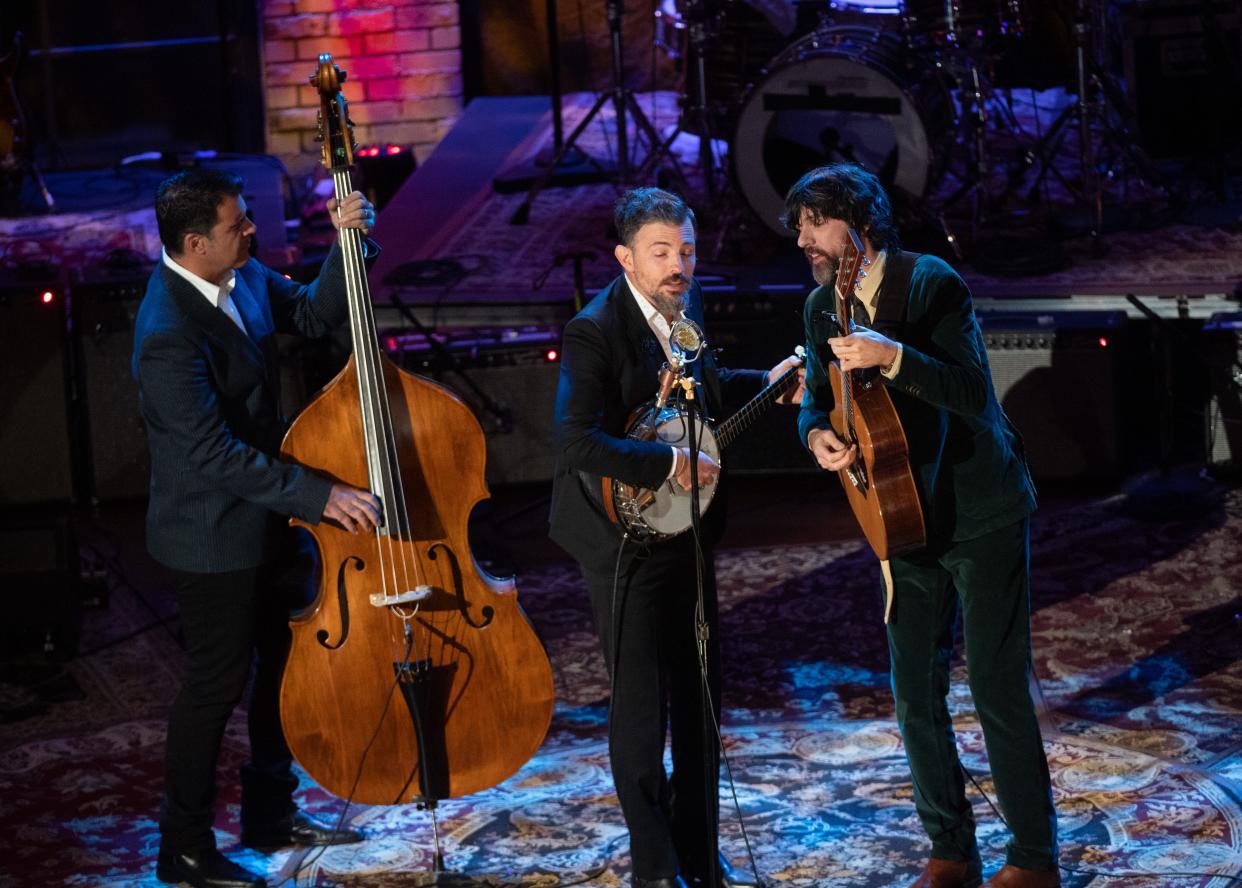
[1103,341]
[391,343]
[394,149]
[47,297]
[552,354]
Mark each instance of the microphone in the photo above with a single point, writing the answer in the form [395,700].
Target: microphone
[686,341]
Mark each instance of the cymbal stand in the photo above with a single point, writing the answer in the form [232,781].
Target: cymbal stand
[698,105]
[1099,112]
[623,101]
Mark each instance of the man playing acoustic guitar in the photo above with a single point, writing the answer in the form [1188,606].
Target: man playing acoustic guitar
[916,324]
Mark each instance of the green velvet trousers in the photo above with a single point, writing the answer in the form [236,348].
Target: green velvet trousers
[988,579]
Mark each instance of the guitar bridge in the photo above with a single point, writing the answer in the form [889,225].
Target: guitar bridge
[857,474]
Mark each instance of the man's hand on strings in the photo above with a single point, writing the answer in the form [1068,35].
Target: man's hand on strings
[358,511]
[355,211]
[709,469]
[830,451]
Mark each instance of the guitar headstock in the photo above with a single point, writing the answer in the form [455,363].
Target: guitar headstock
[850,266]
[336,130]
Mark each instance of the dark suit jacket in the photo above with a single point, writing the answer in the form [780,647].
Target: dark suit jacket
[966,455]
[610,362]
[210,398]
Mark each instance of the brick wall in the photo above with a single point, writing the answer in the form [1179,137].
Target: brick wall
[402,58]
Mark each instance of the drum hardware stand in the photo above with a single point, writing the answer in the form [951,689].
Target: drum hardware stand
[700,106]
[502,415]
[989,110]
[569,167]
[1098,101]
[622,99]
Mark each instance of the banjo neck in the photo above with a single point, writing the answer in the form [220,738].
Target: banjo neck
[727,431]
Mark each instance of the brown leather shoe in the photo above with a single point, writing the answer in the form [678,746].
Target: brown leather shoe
[950,874]
[1017,877]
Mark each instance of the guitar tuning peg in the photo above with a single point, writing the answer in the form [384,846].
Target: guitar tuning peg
[866,261]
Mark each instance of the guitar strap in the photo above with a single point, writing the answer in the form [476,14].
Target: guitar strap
[892,301]
[892,306]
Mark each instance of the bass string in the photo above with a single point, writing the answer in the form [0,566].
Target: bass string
[394,560]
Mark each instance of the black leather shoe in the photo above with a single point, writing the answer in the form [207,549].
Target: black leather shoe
[730,876]
[205,869]
[296,829]
[665,882]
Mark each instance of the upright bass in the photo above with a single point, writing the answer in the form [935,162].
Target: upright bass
[414,675]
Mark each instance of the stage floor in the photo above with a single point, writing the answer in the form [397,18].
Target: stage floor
[1137,652]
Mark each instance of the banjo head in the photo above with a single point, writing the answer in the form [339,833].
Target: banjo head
[668,513]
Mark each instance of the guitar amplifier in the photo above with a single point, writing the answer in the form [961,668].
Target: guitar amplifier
[508,377]
[757,330]
[1057,376]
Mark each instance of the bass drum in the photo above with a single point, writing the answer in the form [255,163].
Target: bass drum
[843,94]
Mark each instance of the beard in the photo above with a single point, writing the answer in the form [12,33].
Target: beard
[824,271]
[671,305]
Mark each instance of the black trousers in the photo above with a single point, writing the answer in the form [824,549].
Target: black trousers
[230,621]
[988,579]
[647,631]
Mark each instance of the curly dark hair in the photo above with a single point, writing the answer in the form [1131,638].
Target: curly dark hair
[637,207]
[848,192]
[188,203]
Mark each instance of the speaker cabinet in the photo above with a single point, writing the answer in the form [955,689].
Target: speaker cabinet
[36,458]
[105,304]
[1057,375]
[1181,63]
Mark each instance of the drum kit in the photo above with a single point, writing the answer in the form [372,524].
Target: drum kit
[907,88]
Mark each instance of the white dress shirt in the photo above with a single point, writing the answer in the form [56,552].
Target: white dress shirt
[219,295]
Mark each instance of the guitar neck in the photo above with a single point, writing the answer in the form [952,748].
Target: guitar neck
[739,422]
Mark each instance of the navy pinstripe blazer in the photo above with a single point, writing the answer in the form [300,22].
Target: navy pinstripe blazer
[210,398]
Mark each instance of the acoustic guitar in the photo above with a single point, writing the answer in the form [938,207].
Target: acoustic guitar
[879,484]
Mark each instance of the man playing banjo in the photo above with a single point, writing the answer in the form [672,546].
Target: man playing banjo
[644,590]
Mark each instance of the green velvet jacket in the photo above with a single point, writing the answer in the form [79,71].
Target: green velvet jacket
[965,453]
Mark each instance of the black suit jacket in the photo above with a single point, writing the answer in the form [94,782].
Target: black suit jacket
[610,362]
[966,455]
[210,398]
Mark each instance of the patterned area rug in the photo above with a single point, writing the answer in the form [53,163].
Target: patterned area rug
[1138,651]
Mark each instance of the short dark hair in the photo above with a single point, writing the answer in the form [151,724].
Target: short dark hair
[188,203]
[637,207]
[848,192]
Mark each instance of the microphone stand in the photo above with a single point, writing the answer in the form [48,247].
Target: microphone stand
[702,633]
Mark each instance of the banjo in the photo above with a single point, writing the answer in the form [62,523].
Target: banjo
[665,512]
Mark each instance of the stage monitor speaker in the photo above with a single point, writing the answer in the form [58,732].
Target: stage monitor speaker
[1181,61]
[1057,377]
[36,453]
[105,305]
[508,378]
